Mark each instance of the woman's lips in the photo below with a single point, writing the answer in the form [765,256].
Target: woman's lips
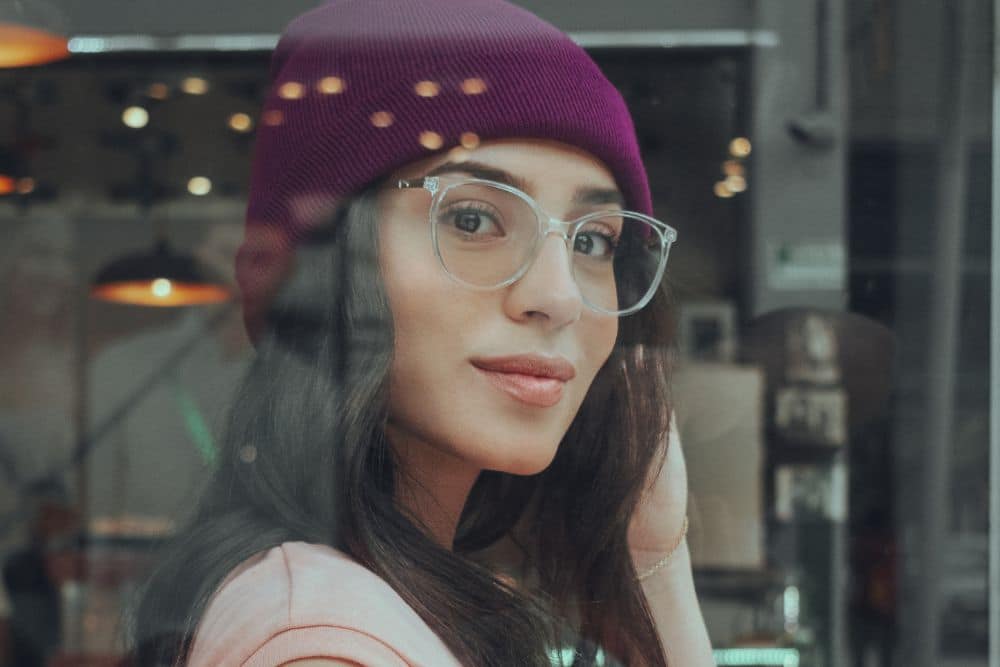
[543,392]
[531,379]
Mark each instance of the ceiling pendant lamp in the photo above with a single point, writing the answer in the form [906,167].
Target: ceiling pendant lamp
[160,277]
[31,33]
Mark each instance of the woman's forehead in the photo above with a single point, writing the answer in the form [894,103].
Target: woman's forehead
[530,161]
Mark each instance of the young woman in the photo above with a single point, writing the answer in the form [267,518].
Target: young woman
[454,444]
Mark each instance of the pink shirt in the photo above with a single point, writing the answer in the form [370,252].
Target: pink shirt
[301,600]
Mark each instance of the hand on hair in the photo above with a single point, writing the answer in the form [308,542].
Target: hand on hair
[658,522]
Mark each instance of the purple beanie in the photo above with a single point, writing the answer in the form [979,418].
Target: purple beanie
[361,88]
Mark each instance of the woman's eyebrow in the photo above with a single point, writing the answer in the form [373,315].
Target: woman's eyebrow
[586,196]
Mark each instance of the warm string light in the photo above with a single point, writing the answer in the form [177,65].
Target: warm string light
[158,91]
[473,86]
[721,191]
[273,118]
[740,147]
[734,181]
[330,85]
[732,168]
[431,140]
[137,116]
[292,90]
[240,122]
[382,119]
[427,89]
[194,85]
[458,154]
[469,140]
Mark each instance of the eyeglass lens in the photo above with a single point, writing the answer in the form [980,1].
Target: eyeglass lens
[486,235]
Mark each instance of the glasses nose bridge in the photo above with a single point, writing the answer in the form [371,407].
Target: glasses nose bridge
[551,225]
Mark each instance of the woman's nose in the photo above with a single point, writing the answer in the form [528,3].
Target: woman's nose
[548,290]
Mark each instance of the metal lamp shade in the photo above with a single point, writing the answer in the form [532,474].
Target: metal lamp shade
[160,278]
[31,33]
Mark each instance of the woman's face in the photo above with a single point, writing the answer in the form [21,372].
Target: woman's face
[451,385]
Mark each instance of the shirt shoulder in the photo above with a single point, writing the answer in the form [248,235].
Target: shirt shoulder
[301,600]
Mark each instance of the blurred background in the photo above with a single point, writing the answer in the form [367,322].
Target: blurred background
[828,164]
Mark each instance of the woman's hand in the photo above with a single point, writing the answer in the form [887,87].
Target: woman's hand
[657,523]
[654,532]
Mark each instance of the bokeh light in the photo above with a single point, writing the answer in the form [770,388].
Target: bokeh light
[736,183]
[382,119]
[199,185]
[473,86]
[431,140]
[330,85]
[161,288]
[158,91]
[273,118]
[722,190]
[427,88]
[194,85]
[135,117]
[26,185]
[740,147]
[458,154]
[240,122]
[732,168]
[291,90]
[470,140]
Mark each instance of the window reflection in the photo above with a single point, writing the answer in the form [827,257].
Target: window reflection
[831,304]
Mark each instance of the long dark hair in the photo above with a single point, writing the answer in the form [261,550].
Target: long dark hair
[305,458]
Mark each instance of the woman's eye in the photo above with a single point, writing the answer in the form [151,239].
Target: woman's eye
[473,221]
[595,244]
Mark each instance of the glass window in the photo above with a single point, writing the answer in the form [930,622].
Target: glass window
[177,399]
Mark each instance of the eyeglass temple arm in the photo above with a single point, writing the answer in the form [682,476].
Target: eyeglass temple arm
[429,183]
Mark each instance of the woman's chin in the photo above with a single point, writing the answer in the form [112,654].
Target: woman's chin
[529,462]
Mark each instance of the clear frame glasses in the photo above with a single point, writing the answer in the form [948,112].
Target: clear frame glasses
[487,234]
